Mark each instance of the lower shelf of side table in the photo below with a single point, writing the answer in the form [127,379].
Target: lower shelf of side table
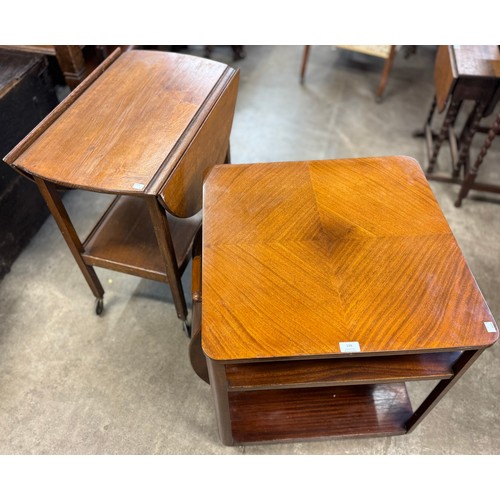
[311,413]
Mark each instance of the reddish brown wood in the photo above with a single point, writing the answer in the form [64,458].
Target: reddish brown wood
[470,178]
[59,110]
[445,75]
[305,58]
[56,206]
[167,250]
[459,368]
[218,384]
[451,115]
[463,73]
[348,371]
[300,256]
[281,415]
[131,126]
[196,354]
[477,114]
[182,192]
[72,64]
[385,73]
[149,128]
[124,240]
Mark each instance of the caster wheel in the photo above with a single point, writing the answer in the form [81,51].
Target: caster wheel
[99,306]
[187,329]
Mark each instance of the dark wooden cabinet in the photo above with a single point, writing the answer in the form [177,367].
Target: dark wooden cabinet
[26,97]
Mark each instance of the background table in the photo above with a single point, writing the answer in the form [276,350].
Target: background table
[462,73]
[326,286]
[144,126]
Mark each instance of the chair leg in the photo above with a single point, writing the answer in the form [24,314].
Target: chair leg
[385,73]
[305,58]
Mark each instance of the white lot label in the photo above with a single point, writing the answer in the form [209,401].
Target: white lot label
[490,326]
[349,347]
[138,186]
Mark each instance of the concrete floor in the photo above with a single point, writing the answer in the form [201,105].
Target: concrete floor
[75,383]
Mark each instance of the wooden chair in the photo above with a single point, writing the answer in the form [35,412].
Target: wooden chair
[386,52]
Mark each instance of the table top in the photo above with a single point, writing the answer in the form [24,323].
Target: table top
[125,132]
[300,258]
[477,60]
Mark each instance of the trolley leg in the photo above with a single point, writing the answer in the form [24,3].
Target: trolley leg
[58,211]
[162,231]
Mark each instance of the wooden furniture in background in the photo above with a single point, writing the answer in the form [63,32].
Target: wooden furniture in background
[26,97]
[470,178]
[327,285]
[462,73]
[76,62]
[386,52]
[144,126]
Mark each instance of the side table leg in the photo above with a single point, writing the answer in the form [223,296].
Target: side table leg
[218,384]
[459,368]
[451,115]
[162,231]
[472,174]
[58,211]
[468,136]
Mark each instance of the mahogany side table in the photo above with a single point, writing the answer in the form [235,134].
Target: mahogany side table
[326,286]
[144,126]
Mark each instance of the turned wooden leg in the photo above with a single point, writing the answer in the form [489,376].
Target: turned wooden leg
[449,119]
[385,73]
[473,171]
[430,116]
[477,114]
[305,58]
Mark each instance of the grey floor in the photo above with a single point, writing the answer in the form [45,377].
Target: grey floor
[75,383]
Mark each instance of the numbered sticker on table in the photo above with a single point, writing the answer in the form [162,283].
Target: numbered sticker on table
[349,347]
[490,326]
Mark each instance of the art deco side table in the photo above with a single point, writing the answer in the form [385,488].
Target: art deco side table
[144,126]
[326,286]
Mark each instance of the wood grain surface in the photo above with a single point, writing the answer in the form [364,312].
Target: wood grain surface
[300,256]
[282,415]
[348,371]
[119,134]
[124,240]
[445,75]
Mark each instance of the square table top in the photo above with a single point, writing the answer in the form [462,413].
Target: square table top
[301,257]
[125,132]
